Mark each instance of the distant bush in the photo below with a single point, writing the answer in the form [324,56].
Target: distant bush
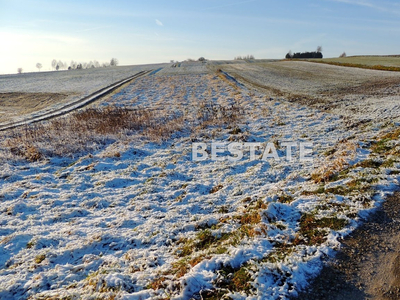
[343,54]
[202,59]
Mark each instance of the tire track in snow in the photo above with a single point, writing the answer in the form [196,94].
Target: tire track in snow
[74,105]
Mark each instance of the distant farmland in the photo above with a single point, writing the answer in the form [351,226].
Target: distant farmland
[389,63]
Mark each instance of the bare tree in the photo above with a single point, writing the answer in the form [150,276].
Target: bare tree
[114,62]
[39,66]
[343,54]
[54,63]
[248,57]
[73,64]
[19,70]
[319,49]
[60,65]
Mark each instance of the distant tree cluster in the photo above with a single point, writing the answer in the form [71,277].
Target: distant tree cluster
[244,57]
[201,59]
[315,54]
[114,62]
[73,65]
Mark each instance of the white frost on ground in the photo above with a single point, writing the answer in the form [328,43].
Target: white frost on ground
[75,84]
[114,224]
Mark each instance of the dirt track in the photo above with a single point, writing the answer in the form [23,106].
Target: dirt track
[368,265]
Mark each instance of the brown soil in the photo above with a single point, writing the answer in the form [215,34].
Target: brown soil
[17,104]
[368,264]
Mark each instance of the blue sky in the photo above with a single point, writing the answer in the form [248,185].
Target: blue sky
[151,31]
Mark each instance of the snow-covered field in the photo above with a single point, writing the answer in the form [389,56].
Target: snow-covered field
[73,84]
[74,81]
[139,219]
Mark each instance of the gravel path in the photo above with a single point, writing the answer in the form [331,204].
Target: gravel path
[368,264]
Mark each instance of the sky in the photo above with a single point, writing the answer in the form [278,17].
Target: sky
[155,31]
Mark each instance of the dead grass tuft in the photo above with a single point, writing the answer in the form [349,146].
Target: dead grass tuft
[335,163]
[92,128]
[216,188]
[88,130]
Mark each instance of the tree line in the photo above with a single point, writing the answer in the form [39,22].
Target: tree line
[59,65]
[248,57]
[73,65]
[314,54]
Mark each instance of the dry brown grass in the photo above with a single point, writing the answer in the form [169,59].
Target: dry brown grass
[87,130]
[335,162]
[90,129]
[210,113]
[189,108]
[358,65]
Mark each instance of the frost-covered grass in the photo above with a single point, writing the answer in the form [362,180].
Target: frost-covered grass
[112,120]
[39,92]
[77,81]
[130,215]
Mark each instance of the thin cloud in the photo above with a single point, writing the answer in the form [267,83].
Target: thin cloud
[159,23]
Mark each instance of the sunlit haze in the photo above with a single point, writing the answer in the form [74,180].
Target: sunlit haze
[141,32]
